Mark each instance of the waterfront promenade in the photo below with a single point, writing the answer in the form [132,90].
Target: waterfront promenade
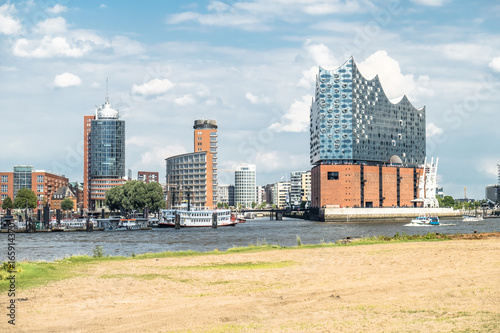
[417,287]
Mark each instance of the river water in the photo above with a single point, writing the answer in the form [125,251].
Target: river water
[57,245]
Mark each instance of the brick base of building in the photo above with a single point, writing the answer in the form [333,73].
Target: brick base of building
[358,185]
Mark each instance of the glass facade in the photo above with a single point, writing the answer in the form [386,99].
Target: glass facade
[22,178]
[353,121]
[107,151]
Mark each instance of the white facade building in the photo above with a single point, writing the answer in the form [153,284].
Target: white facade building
[244,185]
[281,194]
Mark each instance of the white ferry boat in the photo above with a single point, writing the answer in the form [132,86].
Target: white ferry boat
[196,218]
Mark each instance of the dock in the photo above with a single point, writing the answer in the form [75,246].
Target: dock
[370,215]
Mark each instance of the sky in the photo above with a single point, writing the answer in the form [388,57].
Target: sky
[251,66]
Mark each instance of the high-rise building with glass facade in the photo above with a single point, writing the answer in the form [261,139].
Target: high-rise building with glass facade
[104,154]
[353,121]
[367,151]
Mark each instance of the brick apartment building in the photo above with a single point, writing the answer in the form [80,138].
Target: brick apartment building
[43,183]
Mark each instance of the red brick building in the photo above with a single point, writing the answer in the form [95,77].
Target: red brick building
[358,185]
[147,176]
[43,183]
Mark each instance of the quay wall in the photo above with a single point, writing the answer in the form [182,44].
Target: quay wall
[357,215]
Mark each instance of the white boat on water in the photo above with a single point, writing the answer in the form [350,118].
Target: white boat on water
[423,220]
[196,218]
[472,218]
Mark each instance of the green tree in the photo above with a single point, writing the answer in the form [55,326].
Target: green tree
[24,195]
[7,203]
[447,201]
[155,199]
[135,195]
[254,204]
[67,204]
[114,198]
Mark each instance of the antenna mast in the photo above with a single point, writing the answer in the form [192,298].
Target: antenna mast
[107,92]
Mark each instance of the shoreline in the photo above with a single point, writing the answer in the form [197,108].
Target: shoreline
[417,286]
[386,286]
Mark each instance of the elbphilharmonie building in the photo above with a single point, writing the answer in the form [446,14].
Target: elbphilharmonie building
[366,150]
[352,120]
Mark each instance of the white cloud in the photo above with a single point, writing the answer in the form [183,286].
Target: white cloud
[57,9]
[67,80]
[126,46]
[255,15]
[8,24]
[296,118]
[74,45]
[394,82]
[432,130]
[51,26]
[187,99]
[103,6]
[153,87]
[322,56]
[488,166]
[153,159]
[495,64]
[433,3]
[256,99]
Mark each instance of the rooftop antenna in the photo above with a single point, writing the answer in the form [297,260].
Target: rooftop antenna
[107,92]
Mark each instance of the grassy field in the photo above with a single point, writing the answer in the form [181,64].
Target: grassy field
[32,274]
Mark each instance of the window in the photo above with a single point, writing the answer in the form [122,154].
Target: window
[5,188]
[5,178]
[39,188]
[333,175]
[39,179]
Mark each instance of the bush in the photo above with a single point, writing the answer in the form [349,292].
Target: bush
[97,251]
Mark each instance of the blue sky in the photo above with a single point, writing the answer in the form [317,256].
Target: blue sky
[249,64]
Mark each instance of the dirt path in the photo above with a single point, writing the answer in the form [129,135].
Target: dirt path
[410,287]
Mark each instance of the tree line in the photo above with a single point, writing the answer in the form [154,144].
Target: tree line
[26,198]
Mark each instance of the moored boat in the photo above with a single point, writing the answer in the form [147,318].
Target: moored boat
[196,218]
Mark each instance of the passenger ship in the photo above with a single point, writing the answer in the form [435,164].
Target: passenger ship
[196,218]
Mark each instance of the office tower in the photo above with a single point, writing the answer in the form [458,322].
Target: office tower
[104,154]
[244,185]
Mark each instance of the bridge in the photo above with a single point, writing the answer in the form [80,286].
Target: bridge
[278,214]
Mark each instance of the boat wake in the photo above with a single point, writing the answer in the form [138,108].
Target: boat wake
[428,225]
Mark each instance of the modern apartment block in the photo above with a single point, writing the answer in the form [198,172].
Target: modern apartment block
[492,193]
[104,154]
[225,194]
[281,194]
[300,187]
[366,151]
[260,195]
[147,176]
[244,185]
[43,183]
[194,175]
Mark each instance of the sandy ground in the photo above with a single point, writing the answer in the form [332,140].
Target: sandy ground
[410,287]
